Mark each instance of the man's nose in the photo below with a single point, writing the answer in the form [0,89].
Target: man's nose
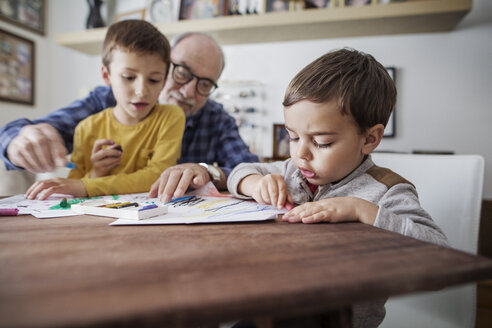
[188,89]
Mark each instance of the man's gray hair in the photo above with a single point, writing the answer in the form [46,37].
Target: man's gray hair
[178,38]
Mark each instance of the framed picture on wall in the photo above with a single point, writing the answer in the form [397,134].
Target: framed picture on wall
[389,131]
[16,68]
[197,9]
[357,2]
[317,4]
[276,5]
[29,14]
[281,149]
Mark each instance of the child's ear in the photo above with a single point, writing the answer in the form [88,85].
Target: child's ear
[105,75]
[373,137]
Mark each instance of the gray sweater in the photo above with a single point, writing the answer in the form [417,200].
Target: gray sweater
[397,199]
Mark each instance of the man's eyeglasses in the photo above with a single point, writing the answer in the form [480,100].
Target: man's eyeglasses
[183,75]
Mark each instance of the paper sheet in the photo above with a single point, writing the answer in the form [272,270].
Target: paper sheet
[39,208]
[208,206]
[205,209]
[49,208]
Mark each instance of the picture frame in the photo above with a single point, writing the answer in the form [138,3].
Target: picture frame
[390,130]
[244,7]
[134,14]
[199,9]
[17,63]
[349,3]
[28,14]
[308,4]
[276,6]
[281,148]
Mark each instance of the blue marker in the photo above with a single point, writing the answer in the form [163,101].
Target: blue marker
[179,199]
[71,165]
[148,207]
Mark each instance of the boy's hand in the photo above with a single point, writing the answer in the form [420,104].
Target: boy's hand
[268,189]
[104,160]
[38,148]
[43,189]
[337,209]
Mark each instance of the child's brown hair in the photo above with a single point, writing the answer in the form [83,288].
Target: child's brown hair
[361,84]
[136,36]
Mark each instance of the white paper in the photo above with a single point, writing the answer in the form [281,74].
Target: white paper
[44,209]
[205,209]
[38,208]
[208,206]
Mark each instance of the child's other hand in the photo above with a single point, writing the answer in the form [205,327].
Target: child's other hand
[271,189]
[337,209]
[43,189]
[104,160]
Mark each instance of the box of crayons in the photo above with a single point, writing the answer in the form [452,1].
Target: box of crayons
[121,210]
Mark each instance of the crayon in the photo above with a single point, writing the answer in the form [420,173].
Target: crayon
[127,205]
[71,165]
[116,205]
[179,199]
[148,207]
[9,211]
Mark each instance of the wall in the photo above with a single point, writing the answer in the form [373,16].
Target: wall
[444,80]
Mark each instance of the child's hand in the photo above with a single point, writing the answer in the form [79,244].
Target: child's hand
[268,189]
[43,189]
[104,160]
[338,209]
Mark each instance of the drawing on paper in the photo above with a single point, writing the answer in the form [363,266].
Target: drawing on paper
[205,205]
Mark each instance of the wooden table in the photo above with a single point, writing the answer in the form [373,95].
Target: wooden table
[78,271]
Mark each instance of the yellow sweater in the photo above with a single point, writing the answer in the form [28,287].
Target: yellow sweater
[149,147]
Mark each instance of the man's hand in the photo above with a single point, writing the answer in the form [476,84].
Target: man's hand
[337,209]
[175,180]
[37,148]
[104,160]
[43,189]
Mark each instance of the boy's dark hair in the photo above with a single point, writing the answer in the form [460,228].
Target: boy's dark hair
[135,36]
[361,84]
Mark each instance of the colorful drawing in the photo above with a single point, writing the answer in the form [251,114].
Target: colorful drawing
[208,209]
[51,207]
[205,205]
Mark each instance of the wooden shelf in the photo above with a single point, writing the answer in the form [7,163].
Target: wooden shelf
[378,19]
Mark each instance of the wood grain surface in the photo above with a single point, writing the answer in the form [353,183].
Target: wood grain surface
[78,271]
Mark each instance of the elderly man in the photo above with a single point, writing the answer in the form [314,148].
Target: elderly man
[211,135]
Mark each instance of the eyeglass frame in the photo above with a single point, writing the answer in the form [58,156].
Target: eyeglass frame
[193,76]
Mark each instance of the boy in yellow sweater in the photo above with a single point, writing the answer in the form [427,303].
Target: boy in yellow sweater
[124,149]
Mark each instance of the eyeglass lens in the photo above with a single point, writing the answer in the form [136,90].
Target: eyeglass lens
[183,75]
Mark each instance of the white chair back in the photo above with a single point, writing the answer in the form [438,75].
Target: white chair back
[450,189]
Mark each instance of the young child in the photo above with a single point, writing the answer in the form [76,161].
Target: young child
[124,149]
[335,112]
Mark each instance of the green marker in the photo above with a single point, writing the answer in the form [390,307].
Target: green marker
[64,203]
